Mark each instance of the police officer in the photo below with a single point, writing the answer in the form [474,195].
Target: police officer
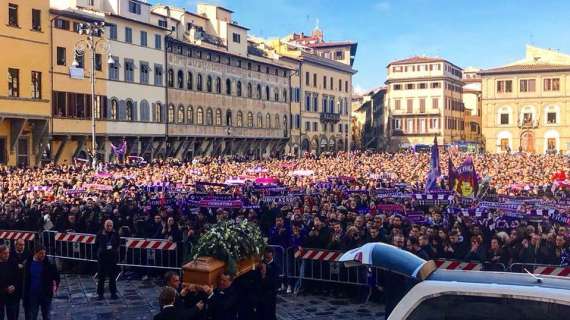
[107,243]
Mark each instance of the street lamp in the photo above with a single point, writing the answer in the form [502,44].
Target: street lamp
[91,45]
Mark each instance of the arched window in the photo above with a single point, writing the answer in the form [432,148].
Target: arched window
[144,111]
[114,107]
[129,112]
[209,84]
[200,116]
[218,117]
[249,90]
[250,119]
[189,81]
[199,82]
[209,117]
[170,78]
[285,123]
[157,112]
[181,114]
[259,120]
[284,95]
[218,85]
[239,120]
[267,93]
[238,89]
[268,121]
[190,115]
[228,87]
[277,122]
[180,79]
[171,116]
[276,93]
[258,92]
[229,121]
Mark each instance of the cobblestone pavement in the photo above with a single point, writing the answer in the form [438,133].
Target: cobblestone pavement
[76,300]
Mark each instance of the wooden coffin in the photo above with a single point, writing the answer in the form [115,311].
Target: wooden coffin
[206,270]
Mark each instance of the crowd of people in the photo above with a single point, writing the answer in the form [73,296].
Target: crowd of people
[343,214]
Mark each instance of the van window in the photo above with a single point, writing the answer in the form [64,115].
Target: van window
[455,307]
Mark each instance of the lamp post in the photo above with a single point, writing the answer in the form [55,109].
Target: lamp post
[91,45]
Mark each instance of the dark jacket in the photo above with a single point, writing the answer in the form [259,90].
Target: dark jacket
[8,277]
[223,304]
[49,276]
[173,313]
[20,260]
[107,245]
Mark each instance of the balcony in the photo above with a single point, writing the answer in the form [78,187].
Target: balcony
[225,132]
[330,117]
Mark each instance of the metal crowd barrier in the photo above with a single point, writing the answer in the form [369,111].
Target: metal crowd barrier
[133,252]
[9,238]
[541,269]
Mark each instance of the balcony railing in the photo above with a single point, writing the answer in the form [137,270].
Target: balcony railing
[528,123]
[330,117]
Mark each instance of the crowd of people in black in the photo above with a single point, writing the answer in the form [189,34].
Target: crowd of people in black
[130,200]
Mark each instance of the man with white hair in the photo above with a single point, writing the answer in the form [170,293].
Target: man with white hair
[107,243]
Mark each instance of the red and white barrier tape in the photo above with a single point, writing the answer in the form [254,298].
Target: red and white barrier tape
[151,244]
[73,237]
[15,235]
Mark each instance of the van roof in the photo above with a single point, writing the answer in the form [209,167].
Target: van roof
[501,278]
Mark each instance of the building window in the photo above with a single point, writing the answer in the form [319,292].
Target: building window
[180,79]
[171,115]
[284,95]
[60,56]
[218,85]
[218,117]
[339,55]
[80,59]
[397,86]
[236,37]
[410,86]
[250,120]
[504,86]
[200,116]
[435,103]
[114,69]
[162,23]
[228,87]
[552,84]
[129,70]
[157,41]
[129,112]
[13,82]
[314,80]
[324,82]
[238,88]
[504,118]
[307,78]
[209,117]
[170,78]
[181,115]
[36,20]
[528,85]
[346,86]
[276,94]
[422,85]
[158,75]
[12,15]
[112,31]
[199,82]
[189,81]
[128,35]
[259,123]
[98,62]
[239,120]
[422,105]
[315,102]
[258,92]
[307,102]
[36,85]
[249,90]
[307,126]
[410,105]
[190,115]
[143,38]
[209,84]
[113,114]
[266,92]
[551,118]
[315,127]
[144,72]
[134,7]
[61,24]
[435,85]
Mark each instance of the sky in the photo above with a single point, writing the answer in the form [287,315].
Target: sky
[479,33]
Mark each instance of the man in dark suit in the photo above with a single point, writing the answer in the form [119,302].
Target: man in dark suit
[107,244]
[222,303]
[166,301]
[9,302]
[269,272]
[41,281]
[189,299]
[19,256]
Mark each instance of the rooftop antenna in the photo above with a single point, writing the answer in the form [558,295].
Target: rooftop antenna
[538,280]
